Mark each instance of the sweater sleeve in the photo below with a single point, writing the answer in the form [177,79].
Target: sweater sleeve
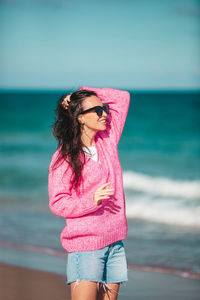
[61,201]
[119,102]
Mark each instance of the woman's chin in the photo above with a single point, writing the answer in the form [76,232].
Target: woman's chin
[103,127]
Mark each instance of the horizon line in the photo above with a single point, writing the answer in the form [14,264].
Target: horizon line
[55,90]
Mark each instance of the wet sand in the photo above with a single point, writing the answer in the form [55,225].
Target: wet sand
[27,284]
[21,283]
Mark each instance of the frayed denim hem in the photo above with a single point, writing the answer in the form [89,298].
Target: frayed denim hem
[100,283]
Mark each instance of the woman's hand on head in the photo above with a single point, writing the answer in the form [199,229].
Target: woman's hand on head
[66,101]
[102,193]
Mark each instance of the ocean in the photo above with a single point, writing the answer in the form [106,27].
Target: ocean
[160,156]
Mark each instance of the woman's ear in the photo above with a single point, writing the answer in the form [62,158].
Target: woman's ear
[81,119]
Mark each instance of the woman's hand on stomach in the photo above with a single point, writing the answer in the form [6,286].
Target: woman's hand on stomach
[102,193]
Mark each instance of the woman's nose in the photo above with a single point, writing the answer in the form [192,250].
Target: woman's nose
[104,113]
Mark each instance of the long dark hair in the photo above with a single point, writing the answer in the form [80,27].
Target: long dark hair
[67,130]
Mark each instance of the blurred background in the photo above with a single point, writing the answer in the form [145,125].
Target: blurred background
[150,48]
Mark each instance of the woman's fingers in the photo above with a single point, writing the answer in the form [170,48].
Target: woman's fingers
[98,202]
[99,199]
[102,186]
[105,191]
[103,197]
[102,193]
[65,104]
[66,101]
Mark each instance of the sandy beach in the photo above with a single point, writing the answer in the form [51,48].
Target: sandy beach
[27,284]
[21,283]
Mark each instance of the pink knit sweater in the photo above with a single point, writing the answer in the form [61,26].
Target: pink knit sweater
[88,226]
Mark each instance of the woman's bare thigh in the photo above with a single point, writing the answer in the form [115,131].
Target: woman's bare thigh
[111,292]
[83,290]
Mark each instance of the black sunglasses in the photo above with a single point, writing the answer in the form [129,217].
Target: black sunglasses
[98,109]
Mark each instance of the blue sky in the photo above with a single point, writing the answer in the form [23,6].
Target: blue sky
[54,44]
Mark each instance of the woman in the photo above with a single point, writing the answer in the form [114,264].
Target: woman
[86,188]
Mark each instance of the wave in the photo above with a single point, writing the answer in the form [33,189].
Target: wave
[161,186]
[166,210]
[162,200]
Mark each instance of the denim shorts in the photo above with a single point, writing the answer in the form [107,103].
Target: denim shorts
[105,265]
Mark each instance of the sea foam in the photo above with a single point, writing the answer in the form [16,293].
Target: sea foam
[162,200]
[161,185]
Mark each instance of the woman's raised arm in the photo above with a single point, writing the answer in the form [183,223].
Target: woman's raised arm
[119,102]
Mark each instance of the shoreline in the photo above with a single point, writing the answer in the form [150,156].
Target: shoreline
[25,283]
[155,269]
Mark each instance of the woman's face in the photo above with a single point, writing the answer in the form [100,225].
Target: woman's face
[91,120]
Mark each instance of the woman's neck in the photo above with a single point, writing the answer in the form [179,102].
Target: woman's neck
[88,138]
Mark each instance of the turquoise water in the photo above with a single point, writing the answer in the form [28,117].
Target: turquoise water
[160,156]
